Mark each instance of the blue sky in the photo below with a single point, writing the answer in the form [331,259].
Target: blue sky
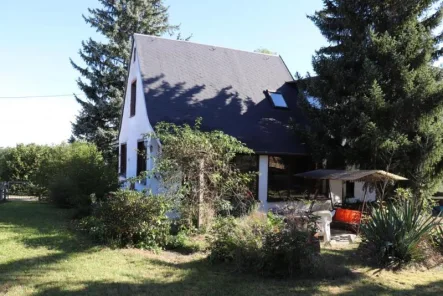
[39,37]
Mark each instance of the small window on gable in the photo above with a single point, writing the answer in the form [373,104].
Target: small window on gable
[135,52]
[278,100]
[123,159]
[141,157]
[133,98]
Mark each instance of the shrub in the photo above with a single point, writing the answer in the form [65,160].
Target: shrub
[266,245]
[395,230]
[237,241]
[186,242]
[23,163]
[62,191]
[75,172]
[67,173]
[130,218]
[288,251]
[203,163]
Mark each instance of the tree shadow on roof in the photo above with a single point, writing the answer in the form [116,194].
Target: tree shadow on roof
[253,121]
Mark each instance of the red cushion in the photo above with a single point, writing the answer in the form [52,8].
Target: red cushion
[347,216]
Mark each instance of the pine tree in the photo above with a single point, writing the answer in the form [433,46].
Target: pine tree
[377,101]
[106,63]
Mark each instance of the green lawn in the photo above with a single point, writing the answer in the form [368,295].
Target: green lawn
[39,255]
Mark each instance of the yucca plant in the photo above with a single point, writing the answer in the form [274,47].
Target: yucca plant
[396,229]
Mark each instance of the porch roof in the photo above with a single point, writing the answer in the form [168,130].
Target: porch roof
[352,176]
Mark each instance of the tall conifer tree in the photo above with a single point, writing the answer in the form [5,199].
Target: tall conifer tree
[106,63]
[377,100]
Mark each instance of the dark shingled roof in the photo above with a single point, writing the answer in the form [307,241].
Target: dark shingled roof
[226,87]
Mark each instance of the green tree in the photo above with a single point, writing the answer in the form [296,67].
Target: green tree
[264,50]
[73,172]
[105,64]
[22,162]
[377,101]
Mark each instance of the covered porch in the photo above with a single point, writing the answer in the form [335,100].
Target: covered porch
[333,207]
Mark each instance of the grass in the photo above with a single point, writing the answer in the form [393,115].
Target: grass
[39,255]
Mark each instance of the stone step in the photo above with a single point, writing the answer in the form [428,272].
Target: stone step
[344,238]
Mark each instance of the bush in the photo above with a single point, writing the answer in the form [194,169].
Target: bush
[186,242]
[67,173]
[130,218]
[204,164]
[62,191]
[289,251]
[395,230]
[266,245]
[237,241]
[75,172]
[23,163]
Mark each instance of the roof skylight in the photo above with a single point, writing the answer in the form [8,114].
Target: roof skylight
[278,100]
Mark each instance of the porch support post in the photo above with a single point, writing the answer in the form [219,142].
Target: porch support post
[201,195]
[363,207]
[263,182]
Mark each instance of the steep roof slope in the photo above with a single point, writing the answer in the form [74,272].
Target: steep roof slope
[226,87]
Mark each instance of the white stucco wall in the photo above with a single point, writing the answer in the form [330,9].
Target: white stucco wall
[336,188]
[133,128]
[359,192]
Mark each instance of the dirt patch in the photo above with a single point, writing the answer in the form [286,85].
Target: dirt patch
[432,258]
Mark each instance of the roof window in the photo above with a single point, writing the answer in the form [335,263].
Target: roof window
[278,100]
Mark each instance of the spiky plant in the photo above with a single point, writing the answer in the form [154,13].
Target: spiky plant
[396,229]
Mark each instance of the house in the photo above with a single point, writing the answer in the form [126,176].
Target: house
[251,96]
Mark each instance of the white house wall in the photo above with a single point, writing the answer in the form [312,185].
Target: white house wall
[133,128]
[336,188]
[359,192]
